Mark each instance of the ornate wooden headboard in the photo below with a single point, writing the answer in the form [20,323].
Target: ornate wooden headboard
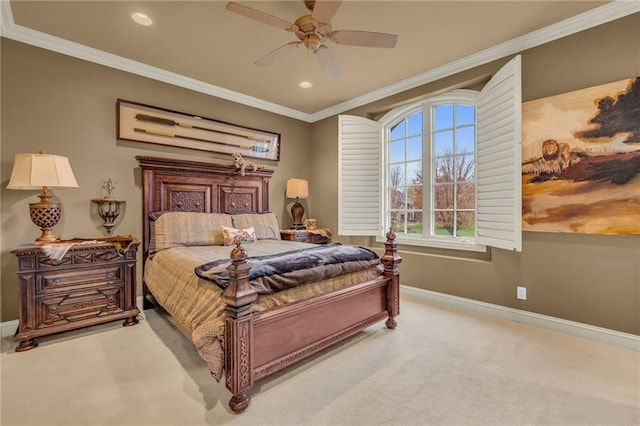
[193,186]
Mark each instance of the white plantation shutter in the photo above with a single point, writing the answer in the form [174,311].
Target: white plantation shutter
[499,160]
[359,176]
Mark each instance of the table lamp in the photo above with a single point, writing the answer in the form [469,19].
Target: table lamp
[35,171]
[297,188]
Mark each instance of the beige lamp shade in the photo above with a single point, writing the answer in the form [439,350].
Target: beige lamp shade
[43,171]
[297,188]
[34,171]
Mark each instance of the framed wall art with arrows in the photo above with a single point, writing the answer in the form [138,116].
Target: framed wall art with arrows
[144,123]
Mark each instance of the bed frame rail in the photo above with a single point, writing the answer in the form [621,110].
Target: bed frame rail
[257,345]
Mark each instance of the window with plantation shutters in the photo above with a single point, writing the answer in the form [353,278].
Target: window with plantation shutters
[359,179]
[443,172]
[499,160]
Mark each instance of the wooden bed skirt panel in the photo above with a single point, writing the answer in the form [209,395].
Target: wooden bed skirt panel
[283,336]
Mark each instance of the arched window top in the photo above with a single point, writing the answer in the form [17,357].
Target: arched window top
[455,96]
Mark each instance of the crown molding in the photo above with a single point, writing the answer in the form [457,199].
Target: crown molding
[603,14]
[6,16]
[598,16]
[80,51]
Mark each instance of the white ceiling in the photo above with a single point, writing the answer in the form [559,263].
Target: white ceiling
[203,46]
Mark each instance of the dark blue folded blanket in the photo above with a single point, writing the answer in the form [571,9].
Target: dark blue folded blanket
[272,273]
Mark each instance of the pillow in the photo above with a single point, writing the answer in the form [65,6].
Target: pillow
[265,224]
[181,229]
[247,235]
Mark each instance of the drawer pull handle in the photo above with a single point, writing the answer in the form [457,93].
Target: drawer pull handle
[110,274]
[56,281]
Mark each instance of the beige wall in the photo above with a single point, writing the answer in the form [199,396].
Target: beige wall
[592,279]
[66,106]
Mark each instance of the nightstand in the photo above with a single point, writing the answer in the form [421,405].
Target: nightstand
[91,284]
[319,236]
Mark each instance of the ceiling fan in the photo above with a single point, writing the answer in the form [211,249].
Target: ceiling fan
[313,31]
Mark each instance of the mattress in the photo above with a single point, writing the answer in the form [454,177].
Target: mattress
[196,303]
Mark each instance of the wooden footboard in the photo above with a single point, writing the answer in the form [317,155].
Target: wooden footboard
[257,345]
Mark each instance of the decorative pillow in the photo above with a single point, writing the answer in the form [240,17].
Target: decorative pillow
[180,229]
[265,224]
[247,235]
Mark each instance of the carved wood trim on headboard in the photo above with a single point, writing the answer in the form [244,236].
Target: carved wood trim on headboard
[183,185]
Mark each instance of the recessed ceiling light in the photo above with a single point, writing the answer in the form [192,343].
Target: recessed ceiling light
[141,19]
[306,84]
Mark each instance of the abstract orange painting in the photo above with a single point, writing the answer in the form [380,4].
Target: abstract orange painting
[581,161]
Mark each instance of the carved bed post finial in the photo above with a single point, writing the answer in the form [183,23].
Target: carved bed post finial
[391,260]
[238,297]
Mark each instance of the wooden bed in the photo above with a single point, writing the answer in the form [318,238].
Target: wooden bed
[258,344]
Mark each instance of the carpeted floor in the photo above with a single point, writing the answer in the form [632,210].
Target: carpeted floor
[441,366]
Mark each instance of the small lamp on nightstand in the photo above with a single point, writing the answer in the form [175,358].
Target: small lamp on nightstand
[35,171]
[297,188]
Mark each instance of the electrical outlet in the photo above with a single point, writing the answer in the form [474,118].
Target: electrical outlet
[522,293]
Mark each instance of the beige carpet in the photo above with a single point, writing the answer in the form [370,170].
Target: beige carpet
[440,366]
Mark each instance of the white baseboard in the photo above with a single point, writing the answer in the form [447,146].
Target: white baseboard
[618,338]
[8,328]
[613,337]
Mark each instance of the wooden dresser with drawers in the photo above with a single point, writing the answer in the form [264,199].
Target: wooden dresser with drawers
[91,284]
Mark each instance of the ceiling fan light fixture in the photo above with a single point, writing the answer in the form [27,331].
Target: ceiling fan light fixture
[305,84]
[313,31]
[141,19]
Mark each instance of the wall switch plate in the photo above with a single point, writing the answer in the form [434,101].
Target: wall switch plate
[522,293]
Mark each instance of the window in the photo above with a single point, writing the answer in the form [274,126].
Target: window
[443,172]
[430,176]
[404,172]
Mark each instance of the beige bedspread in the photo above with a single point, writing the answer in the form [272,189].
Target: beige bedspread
[196,304]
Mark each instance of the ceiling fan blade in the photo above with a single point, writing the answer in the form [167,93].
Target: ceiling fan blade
[323,10]
[328,62]
[278,53]
[364,38]
[258,15]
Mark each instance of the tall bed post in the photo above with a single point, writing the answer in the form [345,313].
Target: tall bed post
[147,207]
[238,297]
[391,260]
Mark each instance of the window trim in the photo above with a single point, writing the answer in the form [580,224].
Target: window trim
[458,96]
